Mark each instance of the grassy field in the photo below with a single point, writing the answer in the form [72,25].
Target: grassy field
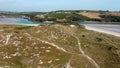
[95,15]
[57,46]
[57,15]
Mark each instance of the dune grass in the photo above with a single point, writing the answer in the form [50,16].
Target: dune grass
[24,48]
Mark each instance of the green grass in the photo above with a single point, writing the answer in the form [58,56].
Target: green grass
[58,15]
[101,47]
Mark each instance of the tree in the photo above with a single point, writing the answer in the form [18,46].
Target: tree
[76,17]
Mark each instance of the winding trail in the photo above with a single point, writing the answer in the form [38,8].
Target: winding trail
[88,57]
[62,49]
[82,52]
[52,44]
[68,63]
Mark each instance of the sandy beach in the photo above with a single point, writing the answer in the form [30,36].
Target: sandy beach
[104,28]
[28,24]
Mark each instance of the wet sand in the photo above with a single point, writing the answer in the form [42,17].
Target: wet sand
[104,28]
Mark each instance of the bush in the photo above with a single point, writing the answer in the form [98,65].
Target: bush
[57,15]
[99,39]
[38,19]
[109,48]
[76,17]
[21,28]
[99,20]
[110,18]
[83,35]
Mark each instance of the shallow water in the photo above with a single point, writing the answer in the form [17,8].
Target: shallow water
[19,21]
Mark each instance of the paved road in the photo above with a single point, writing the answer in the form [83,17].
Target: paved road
[104,28]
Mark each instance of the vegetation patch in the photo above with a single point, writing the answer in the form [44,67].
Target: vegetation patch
[57,15]
[23,27]
[110,18]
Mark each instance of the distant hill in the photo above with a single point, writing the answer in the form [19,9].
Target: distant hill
[83,15]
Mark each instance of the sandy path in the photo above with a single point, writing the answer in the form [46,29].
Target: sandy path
[85,55]
[52,44]
[92,61]
[62,49]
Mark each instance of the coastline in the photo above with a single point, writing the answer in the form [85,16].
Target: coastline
[19,24]
[103,28]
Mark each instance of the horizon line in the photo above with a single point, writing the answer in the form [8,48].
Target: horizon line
[59,10]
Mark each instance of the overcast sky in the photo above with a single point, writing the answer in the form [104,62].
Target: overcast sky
[51,5]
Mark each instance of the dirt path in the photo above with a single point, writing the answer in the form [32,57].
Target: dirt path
[68,63]
[88,57]
[62,49]
[52,44]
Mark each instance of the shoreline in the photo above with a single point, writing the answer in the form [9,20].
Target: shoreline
[103,29]
[21,24]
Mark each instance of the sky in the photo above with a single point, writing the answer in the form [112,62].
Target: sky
[52,5]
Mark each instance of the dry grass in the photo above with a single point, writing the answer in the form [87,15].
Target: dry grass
[115,13]
[91,14]
[25,48]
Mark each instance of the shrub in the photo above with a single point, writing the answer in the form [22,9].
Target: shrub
[83,35]
[21,28]
[99,39]
[109,48]
[57,15]
[76,17]
[110,18]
